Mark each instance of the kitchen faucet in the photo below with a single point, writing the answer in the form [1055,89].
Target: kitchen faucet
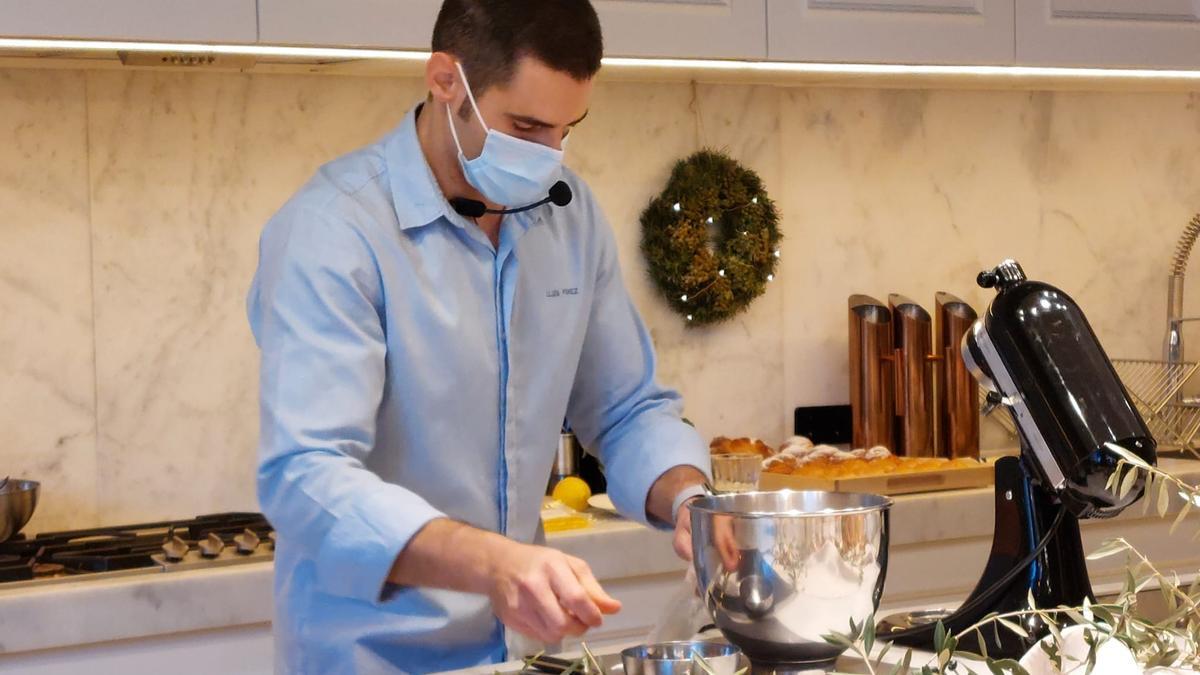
[1173,349]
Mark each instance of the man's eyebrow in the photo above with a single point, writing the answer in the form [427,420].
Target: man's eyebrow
[535,122]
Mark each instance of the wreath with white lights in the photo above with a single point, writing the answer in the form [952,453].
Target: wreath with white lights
[711,239]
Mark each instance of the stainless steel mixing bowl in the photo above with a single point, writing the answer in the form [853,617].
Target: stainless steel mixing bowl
[18,499]
[677,658]
[779,570]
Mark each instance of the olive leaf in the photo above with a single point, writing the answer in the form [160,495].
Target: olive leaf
[1108,548]
[904,666]
[1014,627]
[1114,478]
[1127,484]
[1126,455]
[1183,513]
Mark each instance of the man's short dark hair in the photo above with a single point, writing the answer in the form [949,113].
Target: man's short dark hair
[491,36]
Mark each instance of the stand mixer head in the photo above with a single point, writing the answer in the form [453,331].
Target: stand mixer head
[1036,353]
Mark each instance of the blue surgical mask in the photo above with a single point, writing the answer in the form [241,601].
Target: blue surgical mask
[510,171]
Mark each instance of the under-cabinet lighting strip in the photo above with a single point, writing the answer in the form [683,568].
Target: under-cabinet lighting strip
[714,65]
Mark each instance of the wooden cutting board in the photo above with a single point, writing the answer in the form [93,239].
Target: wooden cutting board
[889,484]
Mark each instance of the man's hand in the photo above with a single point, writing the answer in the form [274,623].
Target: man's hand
[536,591]
[683,531]
[662,498]
[722,532]
[546,594]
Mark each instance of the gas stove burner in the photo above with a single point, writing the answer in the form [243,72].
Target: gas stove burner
[247,542]
[175,549]
[212,546]
[52,557]
[41,570]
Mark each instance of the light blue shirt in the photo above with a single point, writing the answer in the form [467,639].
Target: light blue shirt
[410,371]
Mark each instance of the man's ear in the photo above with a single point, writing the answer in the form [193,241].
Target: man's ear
[441,76]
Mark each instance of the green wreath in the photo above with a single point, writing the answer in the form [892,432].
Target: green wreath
[708,279]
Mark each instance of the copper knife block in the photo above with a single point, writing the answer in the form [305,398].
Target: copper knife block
[910,390]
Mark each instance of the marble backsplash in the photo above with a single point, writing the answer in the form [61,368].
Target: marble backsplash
[131,202]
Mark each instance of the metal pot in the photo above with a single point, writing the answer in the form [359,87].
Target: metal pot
[566,460]
[779,570]
[18,499]
[677,658]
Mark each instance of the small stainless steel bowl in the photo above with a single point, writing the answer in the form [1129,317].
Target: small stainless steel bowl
[780,570]
[18,499]
[677,658]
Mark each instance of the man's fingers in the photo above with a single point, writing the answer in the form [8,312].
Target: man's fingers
[573,596]
[529,613]
[516,623]
[551,613]
[605,602]
[575,628]
[683,545]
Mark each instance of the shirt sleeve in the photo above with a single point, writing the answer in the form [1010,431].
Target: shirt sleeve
[315,308]
[617,409]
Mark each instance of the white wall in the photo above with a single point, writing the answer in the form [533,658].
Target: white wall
[130,205]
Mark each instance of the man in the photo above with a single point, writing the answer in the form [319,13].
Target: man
[417,365]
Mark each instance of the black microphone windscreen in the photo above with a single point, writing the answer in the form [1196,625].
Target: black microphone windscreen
[468,208]
[560,193]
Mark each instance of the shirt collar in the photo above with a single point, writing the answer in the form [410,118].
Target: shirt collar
[415,193]
[416,196]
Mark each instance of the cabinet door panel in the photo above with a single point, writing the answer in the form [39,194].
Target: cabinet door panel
[391,24]
[735,29]
[148,20]
[891,31]
[1117,33]
[662,28]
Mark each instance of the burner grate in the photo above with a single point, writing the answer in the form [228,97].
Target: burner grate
[120,548]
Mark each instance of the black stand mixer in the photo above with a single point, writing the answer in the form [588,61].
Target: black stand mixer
[1037,355]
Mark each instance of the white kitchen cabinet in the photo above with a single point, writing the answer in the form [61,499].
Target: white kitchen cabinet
[391,24]
[723,29]
[1120,33]
[665,28]
[150,20]
[891,31]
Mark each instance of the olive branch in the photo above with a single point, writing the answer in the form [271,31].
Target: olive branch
[1171,641]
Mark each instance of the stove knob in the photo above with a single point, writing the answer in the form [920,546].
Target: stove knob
[212,546]
[246,542]
[175,549]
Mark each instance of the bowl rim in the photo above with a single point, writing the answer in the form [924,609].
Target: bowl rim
[885,503]
[18,485]
[633,652]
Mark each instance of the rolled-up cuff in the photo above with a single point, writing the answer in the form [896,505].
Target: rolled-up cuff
[633,471]
[359,551]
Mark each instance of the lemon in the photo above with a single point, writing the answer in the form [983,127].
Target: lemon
[573,492]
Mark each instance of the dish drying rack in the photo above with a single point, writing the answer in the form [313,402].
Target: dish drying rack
[1155,387]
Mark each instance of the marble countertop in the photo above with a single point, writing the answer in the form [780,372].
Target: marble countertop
[927,529]
[127,607]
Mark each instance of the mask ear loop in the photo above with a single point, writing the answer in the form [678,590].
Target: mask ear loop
[471,96]
[453,131]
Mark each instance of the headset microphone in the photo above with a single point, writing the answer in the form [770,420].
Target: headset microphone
[560,195]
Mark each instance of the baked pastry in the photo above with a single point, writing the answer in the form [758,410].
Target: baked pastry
[740,446]
[801,458]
